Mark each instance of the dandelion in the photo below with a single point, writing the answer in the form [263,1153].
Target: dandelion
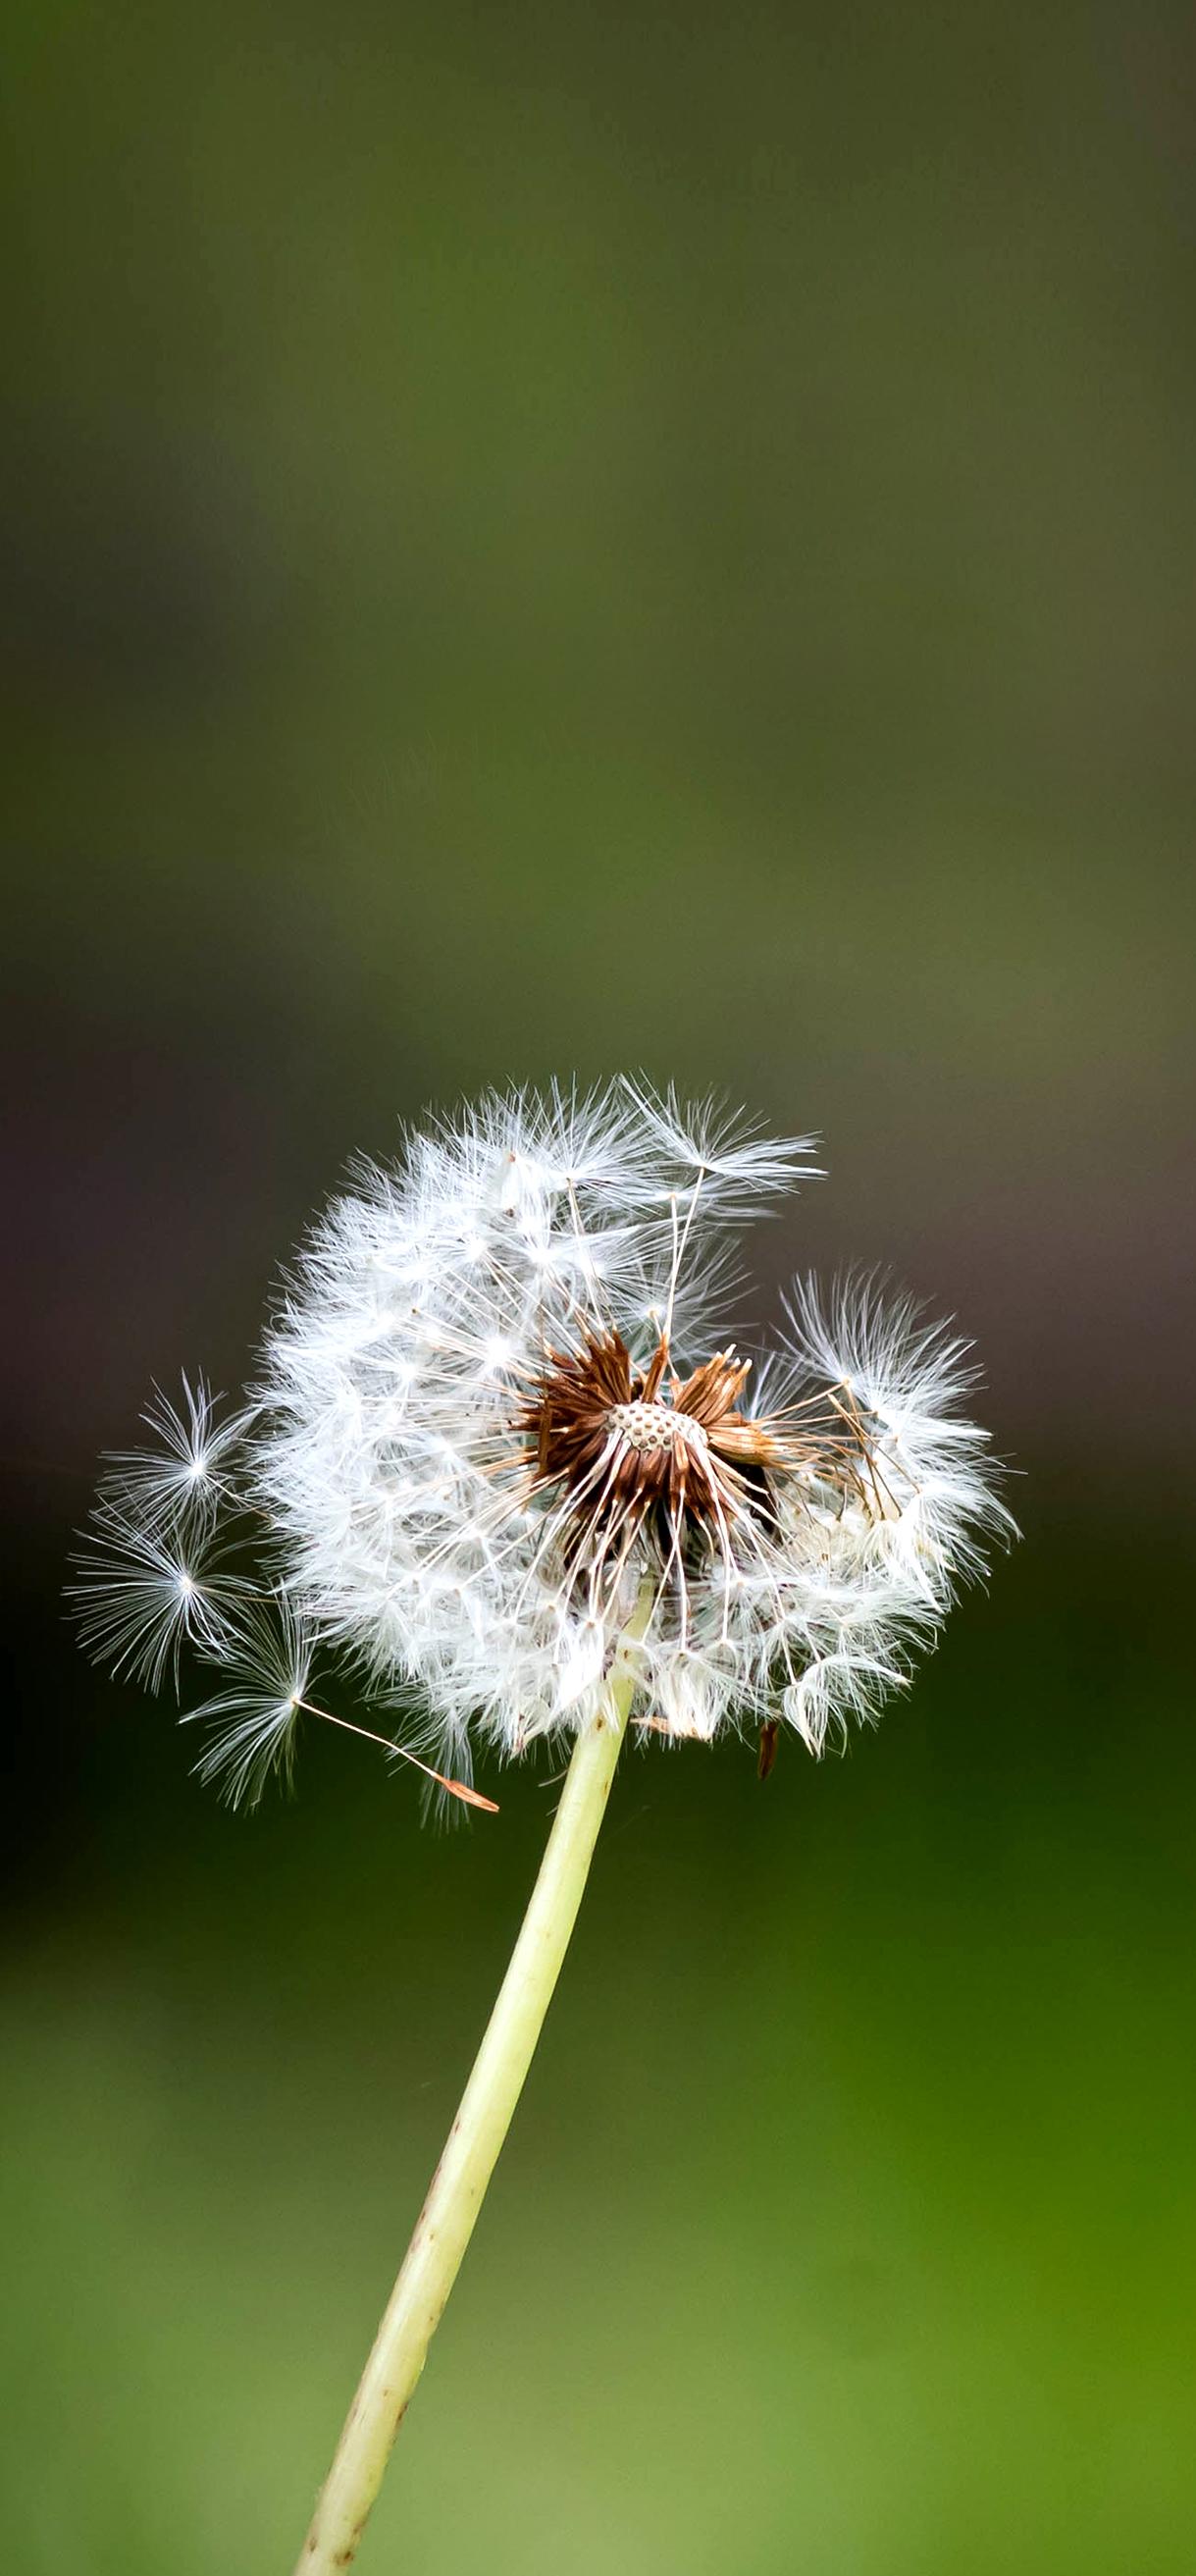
[503,1459]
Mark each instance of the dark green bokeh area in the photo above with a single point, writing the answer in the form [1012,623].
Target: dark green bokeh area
[547,539]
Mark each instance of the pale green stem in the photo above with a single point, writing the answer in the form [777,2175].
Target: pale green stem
[446,2221]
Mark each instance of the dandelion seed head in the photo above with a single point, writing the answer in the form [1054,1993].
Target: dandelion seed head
[494,1413]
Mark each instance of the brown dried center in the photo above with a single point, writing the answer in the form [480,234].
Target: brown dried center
[601,1439]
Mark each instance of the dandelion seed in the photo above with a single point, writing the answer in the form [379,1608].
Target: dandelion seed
[181,1476]
[252,1722]
[143,1591]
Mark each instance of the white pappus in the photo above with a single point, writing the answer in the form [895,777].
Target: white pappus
[492,1424]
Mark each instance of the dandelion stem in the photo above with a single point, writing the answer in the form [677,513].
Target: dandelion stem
[446,2221]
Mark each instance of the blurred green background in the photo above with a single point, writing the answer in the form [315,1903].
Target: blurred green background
[544,539]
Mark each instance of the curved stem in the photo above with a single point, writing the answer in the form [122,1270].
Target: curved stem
[446,2221]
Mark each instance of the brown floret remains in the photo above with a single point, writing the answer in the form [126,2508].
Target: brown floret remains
[629,1458]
